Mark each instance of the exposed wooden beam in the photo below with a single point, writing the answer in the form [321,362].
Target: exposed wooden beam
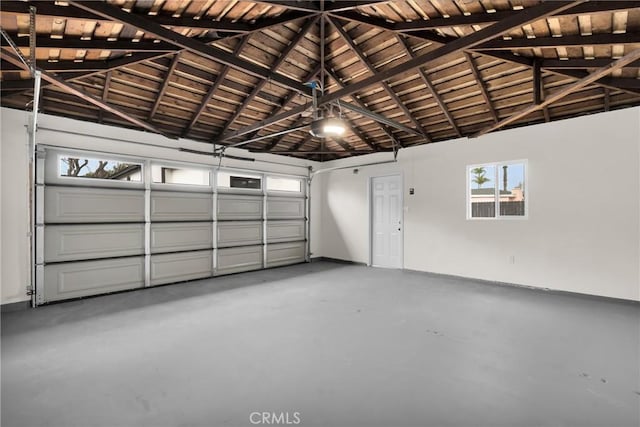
[165,85]
[214,87]
[431,87]
[86,96]
[122,45]
[580,64]
[193,45]
[607,99]
[488,18]
[631,86]
[361,104]
[537,82]
[303,5]
[287,101]
[394,97]
[481,84]
[50,9]
[601,72]
[386,25]
[105,93]
[343,5]
[81,71]
[564,41]
[283,55]
[523,17]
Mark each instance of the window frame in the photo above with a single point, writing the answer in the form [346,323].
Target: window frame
[240,173]
[299,193]
[83,180]
[496,194]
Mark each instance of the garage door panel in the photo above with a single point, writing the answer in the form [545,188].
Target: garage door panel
[176,236]
[285,231]
[239,233]
[235,206]
[285,253]
[81,242]
[285,207]
[77,279]
[90,205]
[234,260]
[178,267]
[174,206]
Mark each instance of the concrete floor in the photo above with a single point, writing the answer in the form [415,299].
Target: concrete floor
[342,345]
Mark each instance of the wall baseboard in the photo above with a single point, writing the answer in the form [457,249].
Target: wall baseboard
[15,306]
[531,288]
[337,260]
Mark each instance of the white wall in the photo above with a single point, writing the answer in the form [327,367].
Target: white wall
[583,230]
[57,131]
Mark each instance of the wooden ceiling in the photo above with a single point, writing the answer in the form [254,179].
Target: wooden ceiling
[403,72]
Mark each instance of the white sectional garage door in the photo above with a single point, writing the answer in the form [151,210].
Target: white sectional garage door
[107,223]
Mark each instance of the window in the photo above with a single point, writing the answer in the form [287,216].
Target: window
[235,180]
[497,190]
[284,184]
[186,176]
[80,167]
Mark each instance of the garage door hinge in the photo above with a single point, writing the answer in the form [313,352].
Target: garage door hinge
[30,290]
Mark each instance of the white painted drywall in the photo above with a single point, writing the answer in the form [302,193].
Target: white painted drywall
[69,133]
[14,204]
[583,230]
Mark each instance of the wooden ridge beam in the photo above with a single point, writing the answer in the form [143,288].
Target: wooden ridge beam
[523,17]
[598,74]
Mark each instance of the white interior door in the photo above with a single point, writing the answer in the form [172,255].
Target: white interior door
[386,221]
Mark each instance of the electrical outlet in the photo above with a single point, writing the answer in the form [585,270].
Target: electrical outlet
[512,259]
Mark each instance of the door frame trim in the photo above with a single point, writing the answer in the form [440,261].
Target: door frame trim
[370,216]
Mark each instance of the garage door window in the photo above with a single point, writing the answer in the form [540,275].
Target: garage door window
[82,167]
[235,180]
[290,185]
[186,176]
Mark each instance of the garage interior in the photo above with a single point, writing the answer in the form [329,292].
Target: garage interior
[320,212]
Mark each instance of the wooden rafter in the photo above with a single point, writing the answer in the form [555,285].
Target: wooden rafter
[165,84]
[481,84]
[434,93]
[105,93]
[601,72]
[386,86]
[214,87]
[631,86]
[190,44]
[283,55]
[523,17]
[85,95]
